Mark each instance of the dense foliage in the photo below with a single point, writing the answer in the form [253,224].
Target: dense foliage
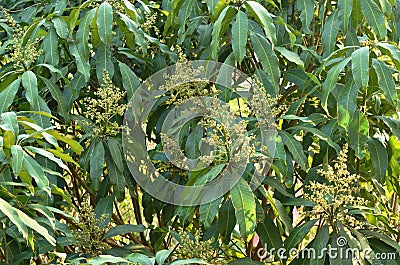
[328,69]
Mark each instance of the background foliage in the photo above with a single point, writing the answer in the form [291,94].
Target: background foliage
[66,194]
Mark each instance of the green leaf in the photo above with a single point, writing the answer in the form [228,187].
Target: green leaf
[104,259]
[390,50]
[291,56]
[22,221]
[358,133]
[357,14]
[239,36]
[116,177]
[29,82]
[267,57]
[269,233]
[347,104]
[103,61]
[386,82]
[245,261]
[124,229]
[295,149]
[17,158]
[298,234]
[379,159]
[226,221]
[319,244]
[360,66]
[140,258]
[75,146]
[105,21]
[36,171]
[61,27]
[323,136]
[97,164]
[208,212]
[82,34]
[129,79]
[331,28]
[116,153]
[57,94]
[8,94]
[81,63]
[345,8]
[331,80]
[50,47]
[224,18]
[307,13]
[9,121]
[264,18]
[374,17]
[49,155]
[105,206]
[162,255]
[184,13]
[245,208]
[189,261]
[194,137]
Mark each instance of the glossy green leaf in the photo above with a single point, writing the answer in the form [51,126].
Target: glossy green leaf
[82,34]
[56,93]
[319,244]
[226,221]
[103,61]
[264,18]
[74,145]
[224,18]
[245,208]
[208,212]
[239,35]
[81,63]
[329,33]
[124,229]
[97,164]
[358,133]
[291,56]
[386,82]
[50,47]
[61,27]
[306,8]
[379,159]
[295,149]
[323,136]
[17,158]
[116,178]
[129,79]
[115,150]
[8,94]
[35,170]
[374,17]
[331,80]
[298,234]
[22,221]
[9,121]
[162,255]
[360,66]
[347,103]
[269,233]
[104,21]
[267,58]
[29,82]
[345,8]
